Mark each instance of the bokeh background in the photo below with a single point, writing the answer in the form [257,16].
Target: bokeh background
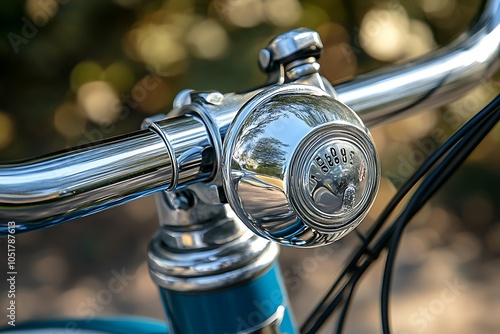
[65,64]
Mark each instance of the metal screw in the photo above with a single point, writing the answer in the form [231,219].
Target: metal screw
[212,97]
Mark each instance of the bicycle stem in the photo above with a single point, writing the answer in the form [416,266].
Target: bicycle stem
[56,188]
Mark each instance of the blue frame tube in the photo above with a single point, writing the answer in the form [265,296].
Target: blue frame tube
[116,325]
[242,308]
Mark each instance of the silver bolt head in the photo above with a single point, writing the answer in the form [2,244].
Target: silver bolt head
[212,97]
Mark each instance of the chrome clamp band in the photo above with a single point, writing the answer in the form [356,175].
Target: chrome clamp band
[175,166]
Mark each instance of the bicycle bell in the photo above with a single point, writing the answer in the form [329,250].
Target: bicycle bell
[299,167]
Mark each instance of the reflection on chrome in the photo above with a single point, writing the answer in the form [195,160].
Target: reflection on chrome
[299,167]
[56,188]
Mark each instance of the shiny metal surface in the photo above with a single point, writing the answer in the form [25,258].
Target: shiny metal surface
[271,325]
[231,262]
[188,223]
[53,189]
[296,43]
[200,237]
[336,180]
[292,57]
[430,81]
[184,208]
[271,167]
[191,145]
[217,118]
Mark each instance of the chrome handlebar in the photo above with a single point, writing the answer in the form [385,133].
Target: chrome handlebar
[174,152]
[433,80]
[74,183]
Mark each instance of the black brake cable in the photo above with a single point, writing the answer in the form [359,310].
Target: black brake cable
[477,119]
[432,183]
[321,311]
[347,302]
[338,298]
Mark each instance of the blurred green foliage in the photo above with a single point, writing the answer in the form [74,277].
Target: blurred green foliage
[50,48]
